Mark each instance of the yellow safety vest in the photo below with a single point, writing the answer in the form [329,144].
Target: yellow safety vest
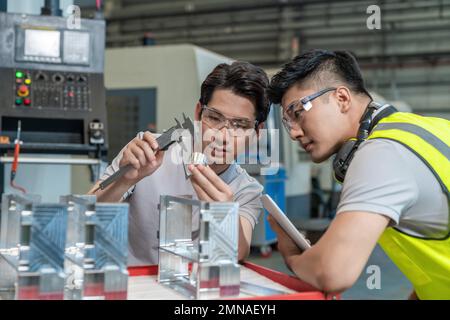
[425,262]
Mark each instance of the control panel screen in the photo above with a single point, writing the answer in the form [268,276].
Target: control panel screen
[42,43]
[76,47]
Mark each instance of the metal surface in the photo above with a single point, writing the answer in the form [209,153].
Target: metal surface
[96,250]
[75,249]
[198,247]
[32,248]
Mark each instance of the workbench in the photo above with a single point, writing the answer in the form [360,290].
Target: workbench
[143,285]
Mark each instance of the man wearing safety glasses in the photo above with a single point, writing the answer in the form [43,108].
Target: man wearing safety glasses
[396,167]
[294,113]
[233,102]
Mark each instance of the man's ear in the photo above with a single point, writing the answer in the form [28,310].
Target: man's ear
[198,111]
[344,98]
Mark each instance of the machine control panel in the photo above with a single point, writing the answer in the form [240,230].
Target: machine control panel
[42,89]
[52,80]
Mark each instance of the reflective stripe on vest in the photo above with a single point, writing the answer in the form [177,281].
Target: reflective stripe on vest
[427,137]
[425,262]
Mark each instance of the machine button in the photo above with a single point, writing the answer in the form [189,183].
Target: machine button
[58,78]
[18,102]
[23,91]
[27,81]
[27,102]
[19,74]
[41,77]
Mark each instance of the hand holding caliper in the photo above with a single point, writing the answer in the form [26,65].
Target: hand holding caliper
[142,157]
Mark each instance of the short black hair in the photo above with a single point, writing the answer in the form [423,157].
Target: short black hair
[243,79]
[336,67]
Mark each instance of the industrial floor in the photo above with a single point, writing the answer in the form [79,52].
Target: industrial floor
[394,285]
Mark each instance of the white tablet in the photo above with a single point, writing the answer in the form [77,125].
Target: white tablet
[284,222]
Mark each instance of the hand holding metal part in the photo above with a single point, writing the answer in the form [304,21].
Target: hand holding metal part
[208,185]
[163,142]
[195,158]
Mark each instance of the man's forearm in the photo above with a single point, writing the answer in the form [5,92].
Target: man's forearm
[244,249]
[245,238]
[317,268]
[307,267]
[113,193]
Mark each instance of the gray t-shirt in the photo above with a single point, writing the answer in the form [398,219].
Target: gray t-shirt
[387,178]
[170,179]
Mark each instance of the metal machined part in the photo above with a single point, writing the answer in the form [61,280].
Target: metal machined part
[198,247]
[74,249]
[196,158]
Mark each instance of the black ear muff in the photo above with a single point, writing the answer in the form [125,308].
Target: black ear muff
[342,160]
[345,155]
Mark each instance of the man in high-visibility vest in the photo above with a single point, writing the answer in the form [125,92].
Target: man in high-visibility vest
[395,169]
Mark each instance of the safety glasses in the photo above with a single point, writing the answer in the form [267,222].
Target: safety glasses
[215,119]
[292,116]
